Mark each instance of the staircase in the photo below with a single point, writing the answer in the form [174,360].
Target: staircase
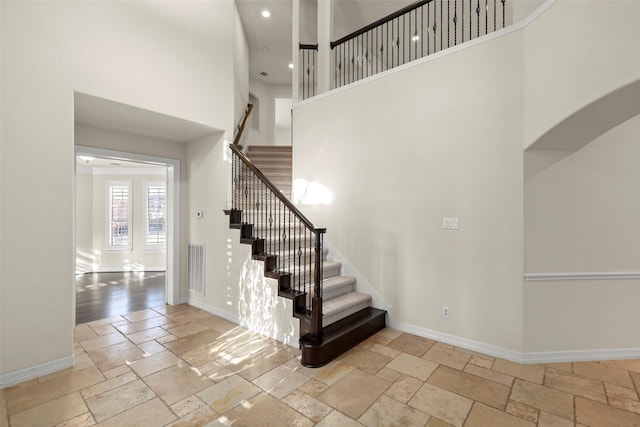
[274,161]
[292,251]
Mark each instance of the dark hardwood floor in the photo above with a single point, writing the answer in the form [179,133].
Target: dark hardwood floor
[104,295]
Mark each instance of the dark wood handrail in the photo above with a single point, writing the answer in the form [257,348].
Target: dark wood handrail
[236,140]
[309,46]
[380,21]
[275,190]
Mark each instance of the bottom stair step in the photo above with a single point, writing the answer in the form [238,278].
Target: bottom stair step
[341,336]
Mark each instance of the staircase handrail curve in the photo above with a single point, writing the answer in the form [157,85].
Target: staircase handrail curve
[247,112]
[275,190]
[379,22]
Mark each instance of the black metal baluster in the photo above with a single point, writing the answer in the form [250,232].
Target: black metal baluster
[421,31]
[455,22]
[478,18]
[494,15]
[486,16]
[448,24]
[503,2]
[441,25]
[462,27]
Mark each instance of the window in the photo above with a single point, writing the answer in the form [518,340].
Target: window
[119,215]
[156,213]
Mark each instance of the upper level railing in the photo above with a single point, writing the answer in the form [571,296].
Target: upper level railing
[282,230]
[420,29]
[308,77]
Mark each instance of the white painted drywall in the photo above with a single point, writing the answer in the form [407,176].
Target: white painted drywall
[402,152]
[84,221]
[581,216]
[145,54]
[576,53]
[267,95]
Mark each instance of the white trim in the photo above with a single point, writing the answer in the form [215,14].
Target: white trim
[581,355]
[449,51]
[122,270]
[159,171]
[26,374]
[552,277]
[480,347]
[173,210]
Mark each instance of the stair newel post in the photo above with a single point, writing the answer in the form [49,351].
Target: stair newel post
[316,302]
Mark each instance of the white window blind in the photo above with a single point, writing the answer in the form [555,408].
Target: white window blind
[119,215]
[156,203]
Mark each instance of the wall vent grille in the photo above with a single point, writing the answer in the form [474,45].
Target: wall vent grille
[196,270]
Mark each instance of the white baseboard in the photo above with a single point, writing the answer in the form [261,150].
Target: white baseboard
[582,355]
[121,270]
[480,347]
[26,374]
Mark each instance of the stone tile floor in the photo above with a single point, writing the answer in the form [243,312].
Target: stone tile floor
[181,366]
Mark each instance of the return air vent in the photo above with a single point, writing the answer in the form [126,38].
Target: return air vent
[195,270]
[264,74]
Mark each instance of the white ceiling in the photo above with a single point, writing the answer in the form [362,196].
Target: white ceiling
[270,46]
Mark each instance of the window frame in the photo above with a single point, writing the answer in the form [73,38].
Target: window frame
[109,216]
[154,247]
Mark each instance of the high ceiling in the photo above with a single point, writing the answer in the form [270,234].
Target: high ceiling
[270,46]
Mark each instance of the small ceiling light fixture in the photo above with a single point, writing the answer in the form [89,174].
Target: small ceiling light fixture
[87,159]
[291,65]
[266,13]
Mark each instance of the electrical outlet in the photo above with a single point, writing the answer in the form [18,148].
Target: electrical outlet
[445,312]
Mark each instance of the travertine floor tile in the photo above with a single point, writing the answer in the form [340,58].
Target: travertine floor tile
[442,404]
[489,374]
[411,344]
[483,416]
[308,406]
[381,349]
[413,366]
[191,342]
[566,367]
[328,374]
[480,362]
[404,388]
[150,413]
[471,386]
[218,324]
[215,372]
[365,360]
[549,420]
[354,393]
[83,333]
[389,333]
[83,420]
[580,386]
[626,404]
[623,392]
[262,363]
[532,373]
[115,355]
[544,398]
[102,341]
[110,384]
[51,413]
[104,330]
[151,347]
[270,412]
[177,382]
[227,394]
[447,356]
[337,419]
[280,381]
[386,412]
[154,363]
[313,388]
[388,374]
[606,373]
[153,322]
[120,399]
[116,372]
[137,316]
[596,414]
[437,422]
[187,329]
[187,405]
[199,417]
[166,309]
[523,411]
[629,365]
[147,335]
[35,393]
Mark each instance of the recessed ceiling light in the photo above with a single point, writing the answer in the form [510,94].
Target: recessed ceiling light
[291,66]
[266,13]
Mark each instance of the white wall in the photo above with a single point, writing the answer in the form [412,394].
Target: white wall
[140,257]
[241,66]
[266,94]
[581,216]
[587,38]
[145,54]
[396,169]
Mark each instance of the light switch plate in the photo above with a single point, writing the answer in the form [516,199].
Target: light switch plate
[451,223]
